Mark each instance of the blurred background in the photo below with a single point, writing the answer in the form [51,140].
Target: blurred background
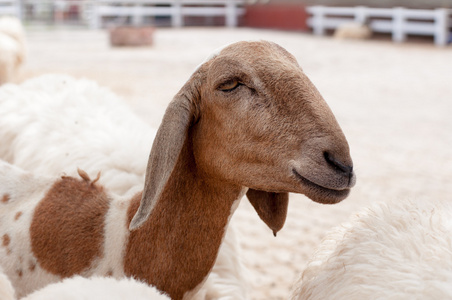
[384,67]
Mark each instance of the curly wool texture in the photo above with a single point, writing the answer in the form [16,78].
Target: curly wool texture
[398,250]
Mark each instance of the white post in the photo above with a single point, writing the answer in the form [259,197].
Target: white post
[361,15]
[318,13]
[441,26]
[137,17]
[231,14]
[177,19]
[95,18]
[398,25]
[19,10]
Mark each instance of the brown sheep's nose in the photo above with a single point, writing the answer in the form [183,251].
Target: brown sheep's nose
[340,167]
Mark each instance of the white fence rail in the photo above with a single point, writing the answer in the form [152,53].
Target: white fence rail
[10,7]
[175,9]
[95,13]
[398,21]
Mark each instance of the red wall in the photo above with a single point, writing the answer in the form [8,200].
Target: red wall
[276,16]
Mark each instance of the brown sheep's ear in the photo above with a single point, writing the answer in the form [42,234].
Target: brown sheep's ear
[271,207]
[167,146]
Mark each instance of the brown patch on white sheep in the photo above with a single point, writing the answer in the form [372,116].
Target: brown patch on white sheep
[18,215]
[20,273]
[109,273]
[6,198]
[32,266]
[67,228]
[6,240]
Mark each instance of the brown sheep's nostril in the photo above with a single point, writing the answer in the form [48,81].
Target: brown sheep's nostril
[337,165]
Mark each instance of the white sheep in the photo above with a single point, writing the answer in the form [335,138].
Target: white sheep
[6,288]
[247,121]
[80,288]
[398,250]
[353,30]
[12,48]
[38,116]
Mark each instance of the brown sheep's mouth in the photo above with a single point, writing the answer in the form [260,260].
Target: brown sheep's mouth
[320,193]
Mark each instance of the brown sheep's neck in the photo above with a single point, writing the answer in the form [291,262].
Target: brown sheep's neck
[177,246]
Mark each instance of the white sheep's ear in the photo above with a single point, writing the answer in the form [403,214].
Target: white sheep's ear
[167,146]
[271,207]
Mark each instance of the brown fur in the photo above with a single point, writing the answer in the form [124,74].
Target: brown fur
[6,240]
[270,132]
[176,248]
[6,198]
[67,226]
[18,215]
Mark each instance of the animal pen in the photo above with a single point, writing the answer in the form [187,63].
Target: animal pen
[398,21]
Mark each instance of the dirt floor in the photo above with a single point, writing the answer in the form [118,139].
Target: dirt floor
[393,101]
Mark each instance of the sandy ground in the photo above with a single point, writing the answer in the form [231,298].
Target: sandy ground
[394,103]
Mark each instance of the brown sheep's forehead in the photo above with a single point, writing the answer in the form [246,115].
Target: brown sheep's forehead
[266,68]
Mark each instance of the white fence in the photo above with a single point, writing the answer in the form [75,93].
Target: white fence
[10,7]
[398,21]
[95,13]
[175,9]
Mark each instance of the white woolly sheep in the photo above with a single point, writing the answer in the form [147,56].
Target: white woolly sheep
[353,30]
[38,116]
[80,288]
[6,288]
[397,250]
[247,121]
[12,48]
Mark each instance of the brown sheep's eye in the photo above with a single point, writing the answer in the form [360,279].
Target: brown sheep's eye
[229,86]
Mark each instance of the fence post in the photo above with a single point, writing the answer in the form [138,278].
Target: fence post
[177,19]
[137,17]
[361,14]
[95,19]
[231,14]
[398,30]
[318,14]
[441,34]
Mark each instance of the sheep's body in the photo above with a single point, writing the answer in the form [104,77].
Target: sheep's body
[247,111]
[6,288]
[391,251]
[12,48]
[38,116]
[95,288]
[353,30]
[55,124]
[81,288]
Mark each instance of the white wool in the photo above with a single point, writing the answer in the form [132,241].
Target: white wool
[95,288]
[399,250]
[95,131]
[6,288]
[13,27]
[12,48]
[9,60]
[55,124]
